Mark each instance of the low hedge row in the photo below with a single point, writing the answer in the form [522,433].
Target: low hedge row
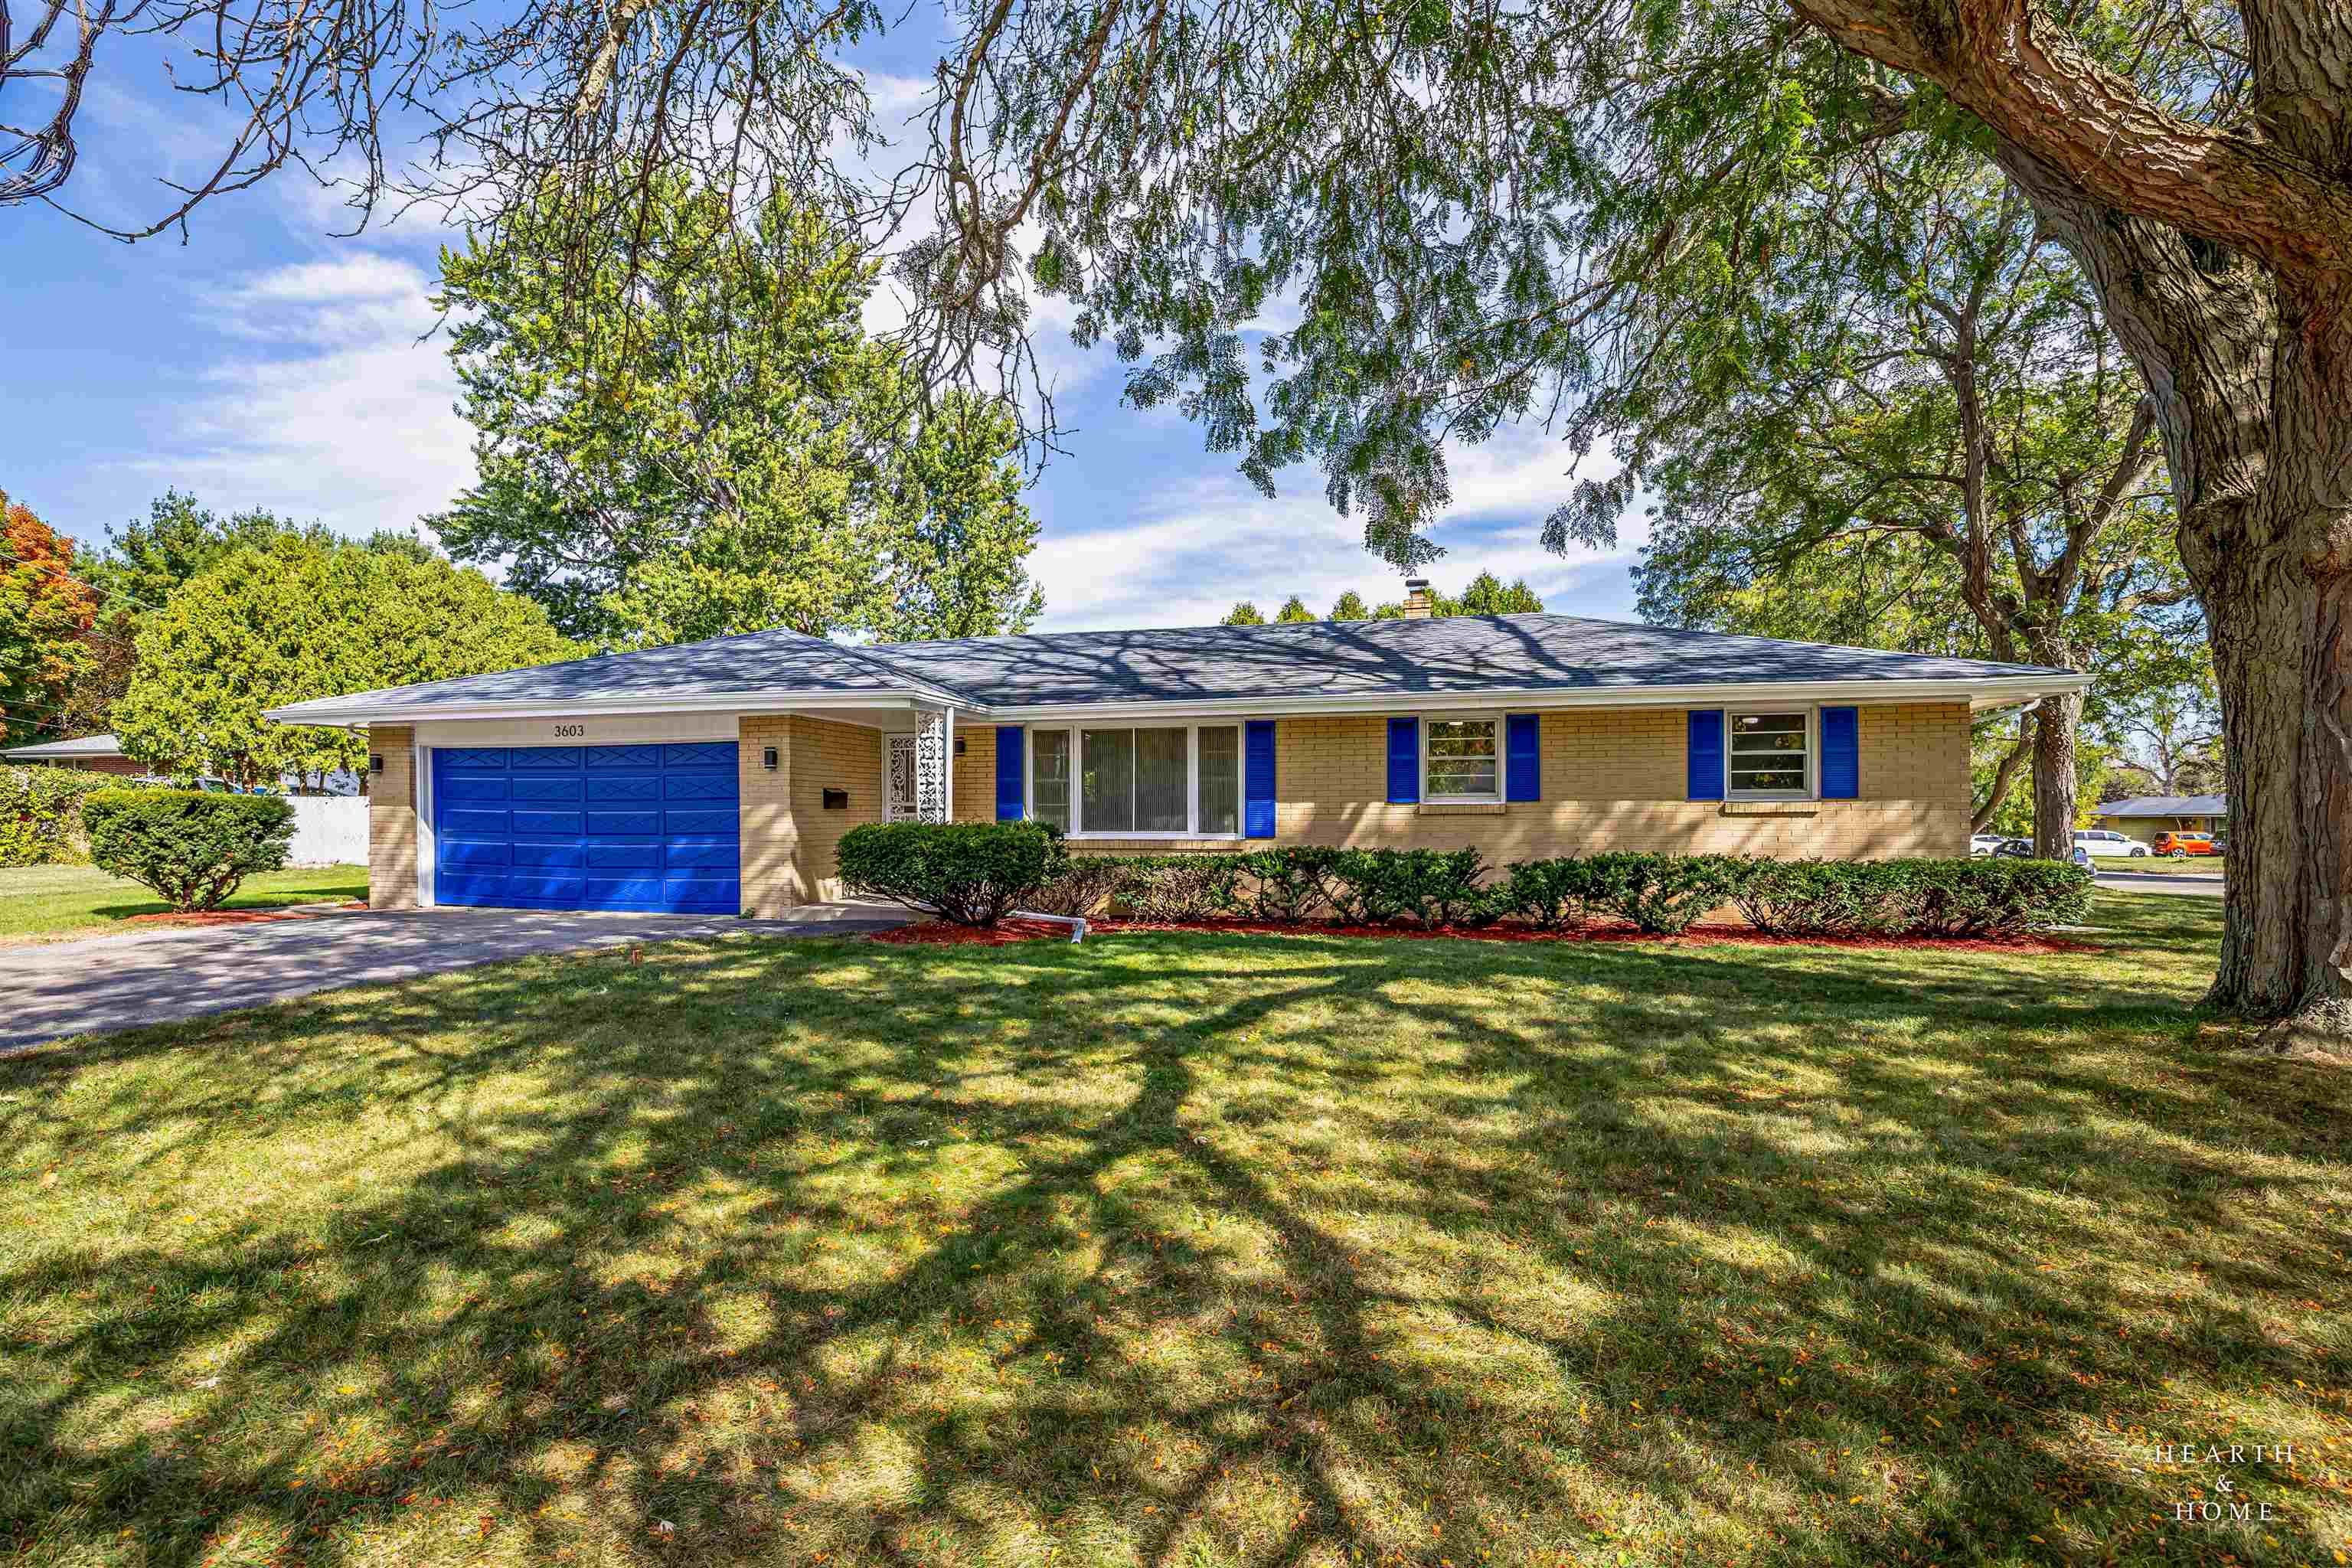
[40,814]
[946,870]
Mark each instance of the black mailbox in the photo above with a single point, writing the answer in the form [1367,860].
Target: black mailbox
[837,800]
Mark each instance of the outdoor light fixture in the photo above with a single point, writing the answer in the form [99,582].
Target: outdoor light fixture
[837,800]
[768,759]
[375,761]
[958,745]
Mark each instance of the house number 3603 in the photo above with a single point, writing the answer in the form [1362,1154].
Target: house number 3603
[570,732]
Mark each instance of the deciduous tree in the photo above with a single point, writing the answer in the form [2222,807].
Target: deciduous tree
[46,612]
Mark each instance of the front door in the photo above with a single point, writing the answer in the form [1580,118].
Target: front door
[901,800]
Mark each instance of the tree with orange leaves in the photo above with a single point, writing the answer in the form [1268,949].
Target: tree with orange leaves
[45,613]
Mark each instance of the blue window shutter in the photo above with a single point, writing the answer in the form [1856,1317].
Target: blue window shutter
[1404,761]
[1841,753]
[1009,803]
[1706,780]
[1522,761]
[1257,778]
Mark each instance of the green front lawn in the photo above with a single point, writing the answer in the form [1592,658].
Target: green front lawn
[38,901]
[1183,1249]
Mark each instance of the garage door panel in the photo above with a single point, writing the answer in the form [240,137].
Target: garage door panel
[698,786]
[543,789]
[651,827]
[712,895]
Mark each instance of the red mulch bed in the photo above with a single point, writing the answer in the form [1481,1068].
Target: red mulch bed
[1698,936]
[240,917]
[942,933]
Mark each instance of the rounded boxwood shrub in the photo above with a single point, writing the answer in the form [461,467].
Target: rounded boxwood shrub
[191,847]
[972,873]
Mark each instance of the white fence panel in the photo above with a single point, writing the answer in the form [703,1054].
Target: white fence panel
[328,830]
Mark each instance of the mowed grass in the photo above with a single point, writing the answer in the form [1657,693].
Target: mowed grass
[1183,1249]
[43,902]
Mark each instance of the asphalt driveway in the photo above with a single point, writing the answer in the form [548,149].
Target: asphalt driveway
[54,989]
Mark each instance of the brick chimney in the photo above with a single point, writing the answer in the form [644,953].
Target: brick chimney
[1416,598]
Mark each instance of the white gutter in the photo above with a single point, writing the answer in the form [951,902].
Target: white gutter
[1991,692]
[546,707]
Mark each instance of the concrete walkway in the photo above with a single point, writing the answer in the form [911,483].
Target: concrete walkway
[54,989]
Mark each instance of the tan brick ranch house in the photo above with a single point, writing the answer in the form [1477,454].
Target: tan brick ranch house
[719,776]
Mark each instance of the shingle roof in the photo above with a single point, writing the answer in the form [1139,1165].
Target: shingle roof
[2169,805]
[1450,655]
[83,746]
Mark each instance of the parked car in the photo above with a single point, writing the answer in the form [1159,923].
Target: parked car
[1986,843]
[2108,841]
[2016,848]
[2081,857]
[2180,846]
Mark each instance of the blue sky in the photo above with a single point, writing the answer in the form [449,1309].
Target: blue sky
[270,363]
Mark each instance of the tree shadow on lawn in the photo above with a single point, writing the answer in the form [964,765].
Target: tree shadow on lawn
[1172,1249]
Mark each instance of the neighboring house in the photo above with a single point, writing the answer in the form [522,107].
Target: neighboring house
[2145,816]
[720,776]
[93,753]
[103,753]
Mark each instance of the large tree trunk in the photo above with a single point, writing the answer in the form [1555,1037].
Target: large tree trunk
[2056,724]
[2280,655]
[2253,387]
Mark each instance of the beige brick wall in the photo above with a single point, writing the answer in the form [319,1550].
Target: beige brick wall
[1612,779]
[828,755]
[766,817]
[392,819]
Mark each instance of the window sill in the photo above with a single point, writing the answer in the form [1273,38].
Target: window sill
[1460,808]
[1152,838]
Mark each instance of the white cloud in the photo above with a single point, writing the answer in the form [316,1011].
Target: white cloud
[1185,555]
[343,412]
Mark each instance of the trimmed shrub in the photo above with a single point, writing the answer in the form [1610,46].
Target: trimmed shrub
[1821,898]
[1663,894]
[1177,887]
[192,848]
[971,873]
[1556,895]
[1989,897]
[40,814]
[1422,887]
[1289,885]
[1084,885]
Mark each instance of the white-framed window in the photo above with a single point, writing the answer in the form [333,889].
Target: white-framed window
[1137,781]
[1767,754]
[1461,759]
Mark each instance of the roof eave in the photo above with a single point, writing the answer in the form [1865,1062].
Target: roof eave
[1979,692]
[358,711]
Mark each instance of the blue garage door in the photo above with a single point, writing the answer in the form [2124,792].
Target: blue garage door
[587,827]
